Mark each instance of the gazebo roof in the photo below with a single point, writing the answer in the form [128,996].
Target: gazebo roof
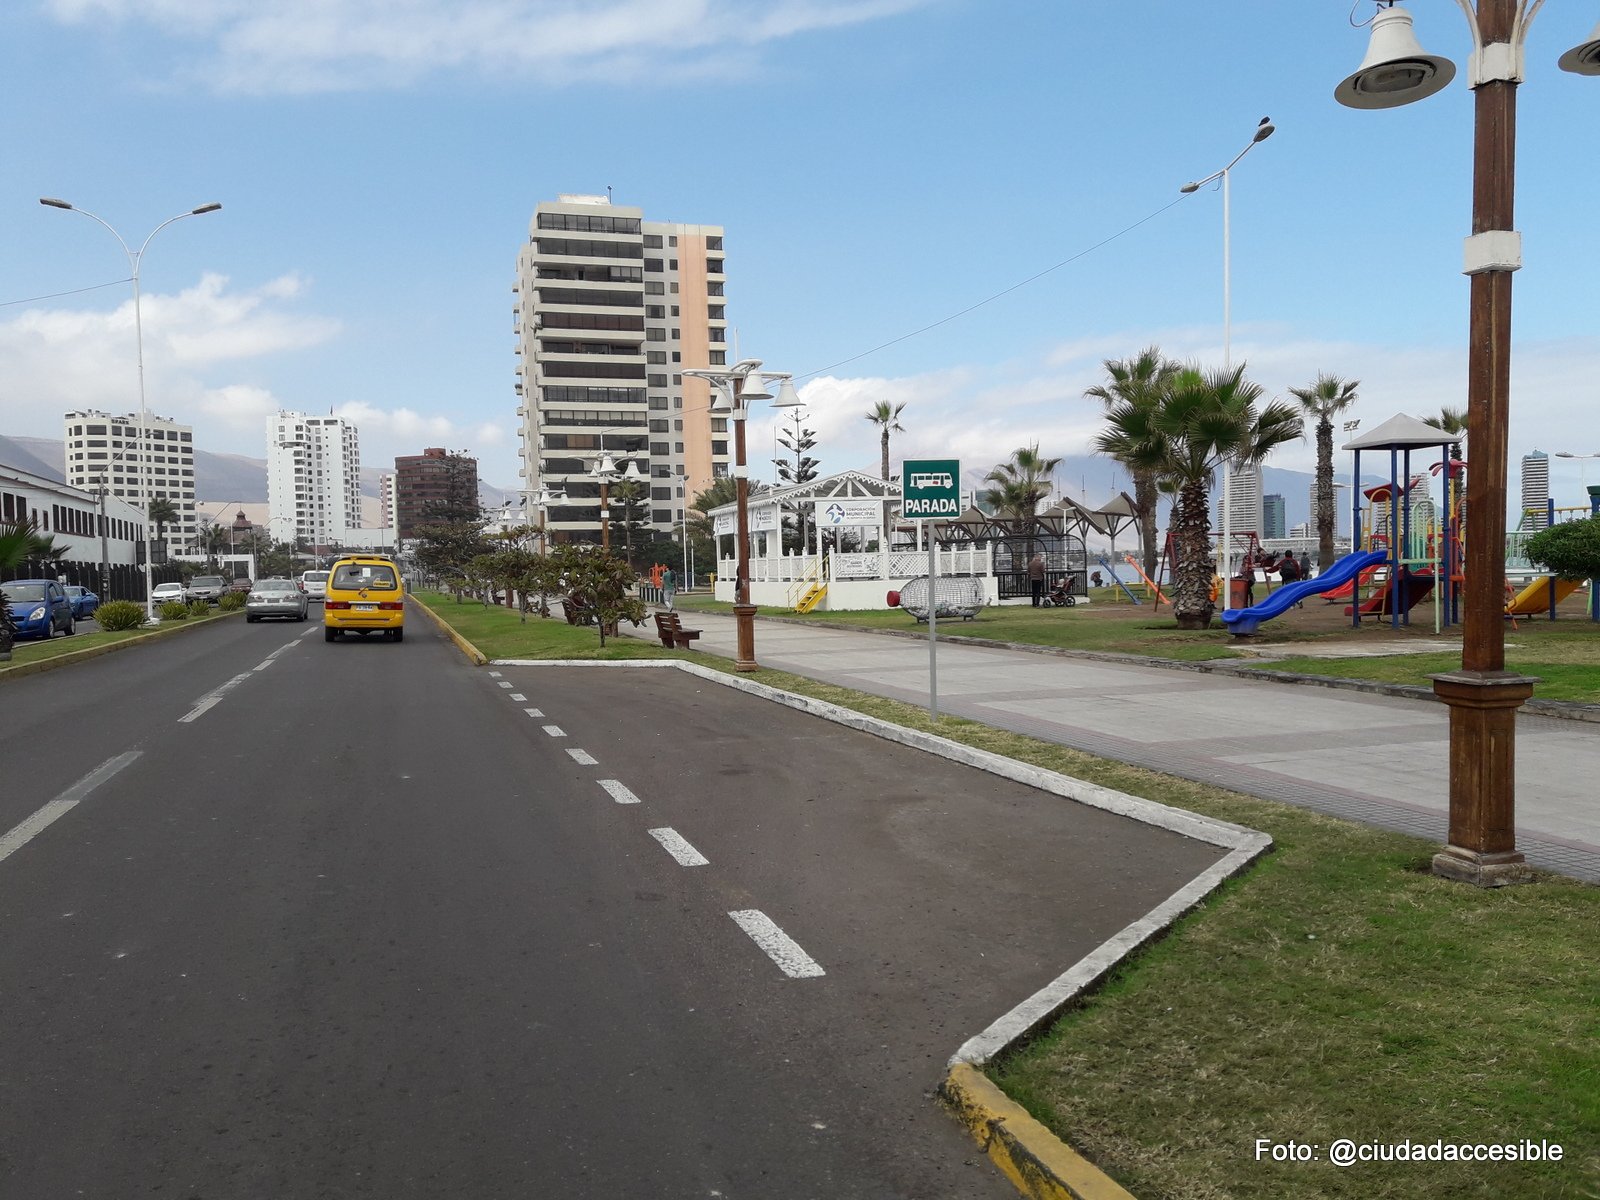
[1402,433]
[846,485]
[1066,511]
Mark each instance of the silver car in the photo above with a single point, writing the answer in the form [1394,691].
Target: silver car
[275,598]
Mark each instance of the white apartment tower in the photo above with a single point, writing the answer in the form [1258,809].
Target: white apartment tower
[1341,508]
[103,450]
[313,480]
[1244,501]
[1535,490]
[609,311]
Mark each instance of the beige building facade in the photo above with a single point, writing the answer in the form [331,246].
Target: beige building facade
[609,310]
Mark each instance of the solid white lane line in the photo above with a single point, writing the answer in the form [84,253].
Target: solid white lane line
[555,731]
[63,804]
[583,758]
[210,700]
[686,854]
[780,947]
[534,712]
[506,683]
[619,793]
[519,697]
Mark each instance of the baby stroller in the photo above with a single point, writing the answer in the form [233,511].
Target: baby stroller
[1060,596]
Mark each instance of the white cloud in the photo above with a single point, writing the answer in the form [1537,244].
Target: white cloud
[342,45]
[55,360]
[982,412]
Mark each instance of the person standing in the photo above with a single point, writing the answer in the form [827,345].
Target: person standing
[1036,578]
[669,588]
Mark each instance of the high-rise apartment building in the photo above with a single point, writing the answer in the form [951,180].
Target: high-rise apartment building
[1536,490]
[428,480]
[1274,516]
[1341,507]
[102,450]
[610,309]
[1244,504]
[313,480]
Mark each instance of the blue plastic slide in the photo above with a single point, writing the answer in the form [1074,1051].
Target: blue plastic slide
[1242,621]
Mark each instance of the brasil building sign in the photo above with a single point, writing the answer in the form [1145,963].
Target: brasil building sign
[930,487]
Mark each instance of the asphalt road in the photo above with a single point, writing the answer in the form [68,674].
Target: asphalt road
[348,920]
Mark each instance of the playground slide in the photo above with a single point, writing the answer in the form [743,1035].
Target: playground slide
[1535,598]
[1242,621]
[1418,588]
[1343,592]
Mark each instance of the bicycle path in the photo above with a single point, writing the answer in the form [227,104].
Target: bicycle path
[1379,760]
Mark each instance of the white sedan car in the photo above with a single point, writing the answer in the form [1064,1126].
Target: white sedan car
[165,592]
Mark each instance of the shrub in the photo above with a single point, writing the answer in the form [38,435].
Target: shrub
[232,602]
[199,608]
[174,610]
[119,614]
[1570,550]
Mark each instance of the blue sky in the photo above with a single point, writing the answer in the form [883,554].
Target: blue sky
[878,165]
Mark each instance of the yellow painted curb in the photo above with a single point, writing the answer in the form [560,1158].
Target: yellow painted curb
[478,657]
[1034,1159]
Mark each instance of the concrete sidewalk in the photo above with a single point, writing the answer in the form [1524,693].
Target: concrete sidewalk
[1375,759]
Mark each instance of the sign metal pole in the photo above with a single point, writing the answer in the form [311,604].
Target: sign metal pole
[931,489]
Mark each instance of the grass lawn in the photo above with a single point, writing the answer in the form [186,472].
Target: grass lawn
[500,633]
[1336,991]
[1564,655]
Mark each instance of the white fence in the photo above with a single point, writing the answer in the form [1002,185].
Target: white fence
[901,564]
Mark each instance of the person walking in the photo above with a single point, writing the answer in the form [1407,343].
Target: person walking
[669,588]
[1036,578]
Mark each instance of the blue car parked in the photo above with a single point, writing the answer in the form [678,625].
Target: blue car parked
[39,607]
[84,602]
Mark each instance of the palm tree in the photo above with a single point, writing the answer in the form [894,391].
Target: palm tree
[1017,487]
[1204,419]
[1140,383]
[887,417]
[1454,422]
[162,512]
[1324,400]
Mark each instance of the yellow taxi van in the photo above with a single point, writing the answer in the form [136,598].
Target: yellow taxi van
[364,596]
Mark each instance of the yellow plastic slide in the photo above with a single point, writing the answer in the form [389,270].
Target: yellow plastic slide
[1535,598]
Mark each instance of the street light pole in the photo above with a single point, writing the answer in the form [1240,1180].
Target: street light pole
[135,260]
[1263,131]
[739,385]
[1483,696]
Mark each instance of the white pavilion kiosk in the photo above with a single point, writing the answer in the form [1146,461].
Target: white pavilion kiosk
[829,579]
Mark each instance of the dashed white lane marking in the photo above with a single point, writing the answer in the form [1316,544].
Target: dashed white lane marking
[555,731]
[519,697]
[506,683]
[262,666]
[30,828]
[681,850]
[494,674]
[534,712]
[308,633]
[780,947]
[583,758]
[211,699]
[619,793]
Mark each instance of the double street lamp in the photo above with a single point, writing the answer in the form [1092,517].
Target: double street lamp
[135,259]
[605,471]
[735,388]
[1263,131]
[1483,696]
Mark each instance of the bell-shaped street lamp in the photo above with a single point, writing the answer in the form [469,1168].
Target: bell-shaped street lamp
[1396,69]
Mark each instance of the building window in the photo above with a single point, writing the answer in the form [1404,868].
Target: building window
[672,241]
[719,358]
[718,334]
[678,425]
[653,265]
[713,266]
[655,310]
[652,241]
[719,447]
[657,381]
[658,449]
[653,287]
[657,358]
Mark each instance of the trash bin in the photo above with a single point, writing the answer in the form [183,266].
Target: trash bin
[1236,593]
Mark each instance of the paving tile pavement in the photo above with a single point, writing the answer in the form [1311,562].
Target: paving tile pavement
[1380,760]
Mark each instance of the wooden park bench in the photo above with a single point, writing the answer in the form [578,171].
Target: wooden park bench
[672,633]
